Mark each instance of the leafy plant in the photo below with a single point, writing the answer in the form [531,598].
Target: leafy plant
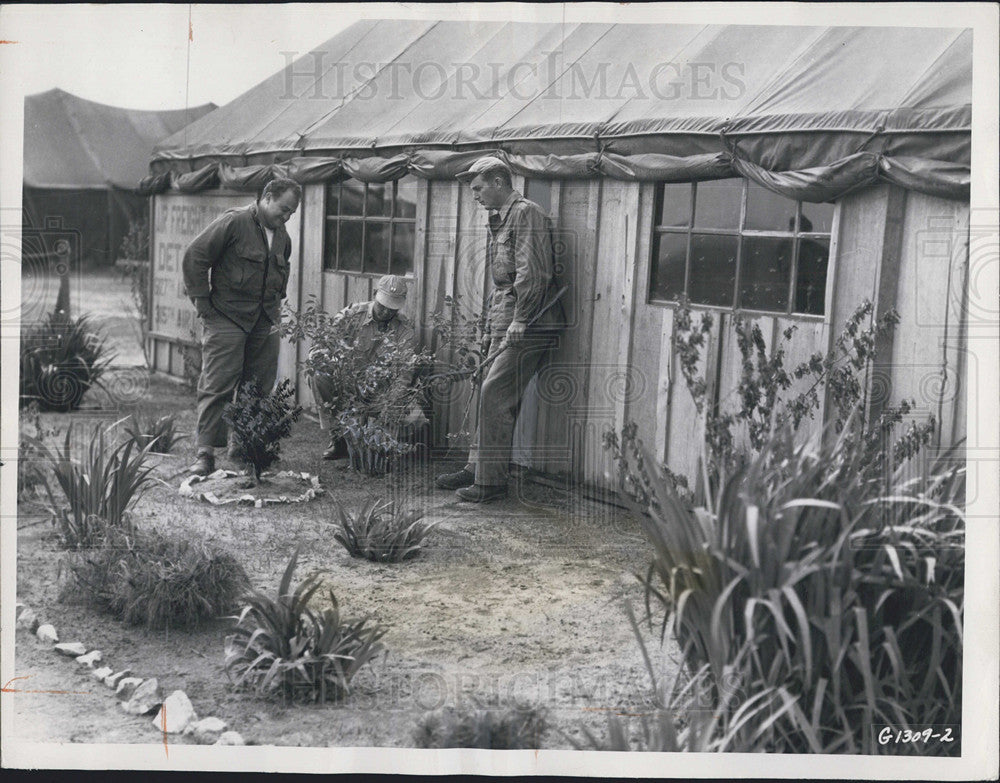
[809,603]
[61,359]
[99,489]
[378,532]
[260,421]
[159,580]
[281,645]
[486,726]
[135,243]
[160,432]
[31,473]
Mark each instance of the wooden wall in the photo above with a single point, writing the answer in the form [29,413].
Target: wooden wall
[615,362]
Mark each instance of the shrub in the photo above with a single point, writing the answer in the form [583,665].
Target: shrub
[489,727]
[159,580]
[61,359]
[809,603]
[158,433]
[378,532]
[259,422]
[281,645]
[100,489]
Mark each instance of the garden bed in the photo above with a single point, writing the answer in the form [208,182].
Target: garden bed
[521,600]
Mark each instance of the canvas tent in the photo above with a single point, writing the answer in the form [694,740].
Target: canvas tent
[827,155]
[82,164]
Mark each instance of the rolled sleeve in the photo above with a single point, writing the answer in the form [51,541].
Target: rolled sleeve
[532,262]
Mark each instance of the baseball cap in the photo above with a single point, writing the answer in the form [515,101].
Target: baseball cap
[484,164]
[391,292]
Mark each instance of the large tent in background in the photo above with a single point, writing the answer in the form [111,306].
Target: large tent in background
[785,172]
[82,164]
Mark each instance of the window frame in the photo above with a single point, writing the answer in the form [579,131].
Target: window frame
[391,220]
[739,232]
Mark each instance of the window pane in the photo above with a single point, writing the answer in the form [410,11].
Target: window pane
[713,269]
[351,194]
[406,197]
[667,279]
[810,287]
[767,211]
[377,247]
[330,245]
[539,191]
[816,217]
[717,203]
[766,272]
[675,209]
[333,201]
[379,199]
[349,246]
[402,249]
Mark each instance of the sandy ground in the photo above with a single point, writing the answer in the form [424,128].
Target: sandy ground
[521,601]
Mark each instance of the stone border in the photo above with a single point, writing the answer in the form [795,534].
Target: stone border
[187,489]
[174,714]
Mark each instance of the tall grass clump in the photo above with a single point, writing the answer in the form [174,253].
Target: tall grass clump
[380,533]
[61,359]
[158,432]
[281,646]
[491,727]
[98,490]
[157,579]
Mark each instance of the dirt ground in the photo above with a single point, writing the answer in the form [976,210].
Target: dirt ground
[521,601]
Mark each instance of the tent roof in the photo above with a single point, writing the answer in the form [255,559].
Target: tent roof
[70,142]
[535,88]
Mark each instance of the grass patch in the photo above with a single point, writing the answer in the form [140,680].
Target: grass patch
[490,727]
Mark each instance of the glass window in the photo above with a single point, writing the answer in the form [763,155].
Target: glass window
[371,227]
[745,248]
[539,191]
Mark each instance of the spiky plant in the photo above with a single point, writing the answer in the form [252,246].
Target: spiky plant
[160,431]
[281,646]
[381,533]
[492,727]
[99,489]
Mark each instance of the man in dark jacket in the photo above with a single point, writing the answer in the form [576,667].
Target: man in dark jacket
[236,273]
[521,325]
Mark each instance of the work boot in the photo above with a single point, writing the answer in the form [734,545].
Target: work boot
[204,465]
[337,450]
[461,478]
[482,493]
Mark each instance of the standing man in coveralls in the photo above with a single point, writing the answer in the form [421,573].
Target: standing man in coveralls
[519,259]
[236,273]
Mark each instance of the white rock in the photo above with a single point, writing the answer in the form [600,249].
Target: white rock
[74,649]
[147,697]
[100,674]
[230,738]
[27,619]
[126,687]
[112,680]
[175,714]
[47,633]
[88,660]
[207,730]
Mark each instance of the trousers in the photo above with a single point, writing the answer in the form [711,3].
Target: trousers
[230,357]
[499,401]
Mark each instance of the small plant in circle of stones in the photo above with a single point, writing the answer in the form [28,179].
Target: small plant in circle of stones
[258,422]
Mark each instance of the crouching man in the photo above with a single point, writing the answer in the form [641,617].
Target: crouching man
[522,326]
[236,274]
[365,328]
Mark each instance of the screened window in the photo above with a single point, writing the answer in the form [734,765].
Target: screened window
[731,243]
[370,227]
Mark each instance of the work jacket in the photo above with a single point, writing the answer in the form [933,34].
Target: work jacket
[519,259]
[230,263]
